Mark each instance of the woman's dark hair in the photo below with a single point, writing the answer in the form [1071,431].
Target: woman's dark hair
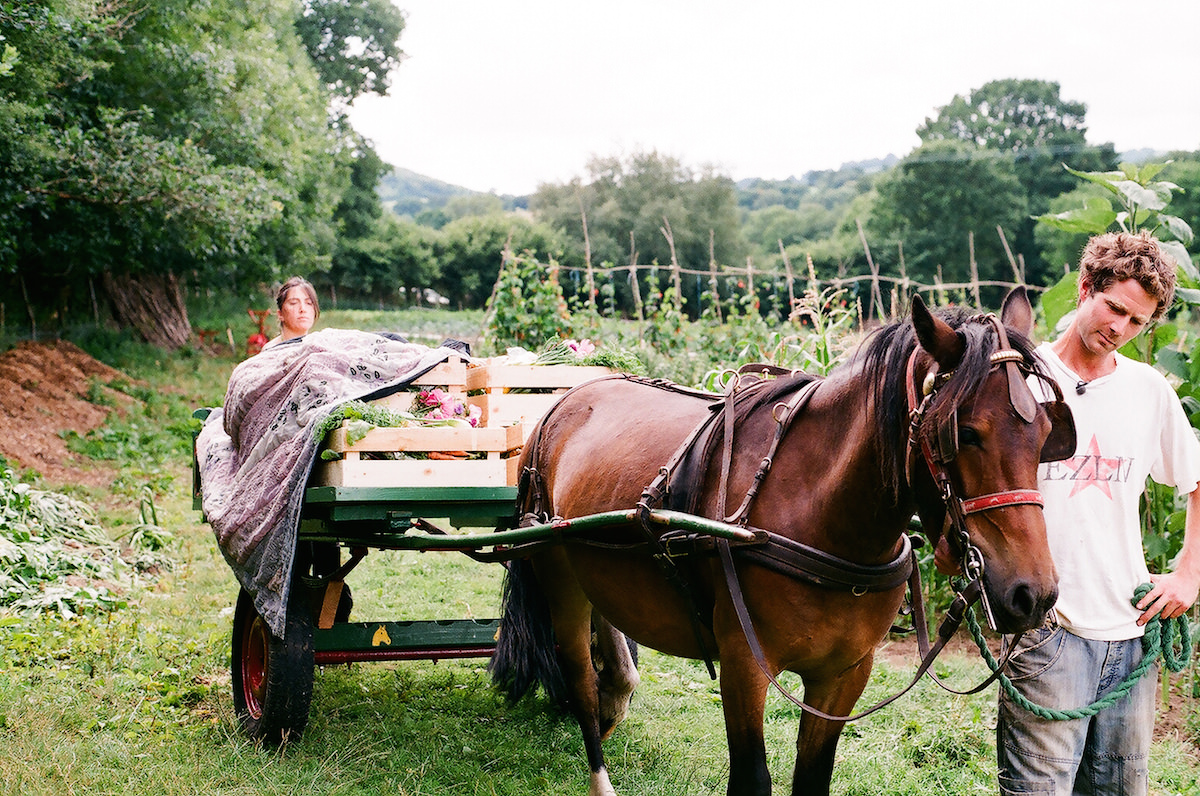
[298,281]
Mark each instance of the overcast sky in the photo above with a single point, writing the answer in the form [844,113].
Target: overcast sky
[502,95]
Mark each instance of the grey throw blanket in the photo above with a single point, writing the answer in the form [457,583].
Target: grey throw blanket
[255,454]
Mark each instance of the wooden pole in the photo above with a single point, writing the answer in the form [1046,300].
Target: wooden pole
[712,279]
[675,277]
[633,278]
[1018,271]
[750,281]
[876,297]
[787,269]
[974,270]
[587,256]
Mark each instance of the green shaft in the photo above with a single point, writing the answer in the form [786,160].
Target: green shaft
[668,520]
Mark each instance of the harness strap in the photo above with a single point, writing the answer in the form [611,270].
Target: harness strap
[947,629]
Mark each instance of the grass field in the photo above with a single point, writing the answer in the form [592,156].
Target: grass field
[138,701]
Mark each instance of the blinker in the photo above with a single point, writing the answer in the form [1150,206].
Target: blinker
[1061,442]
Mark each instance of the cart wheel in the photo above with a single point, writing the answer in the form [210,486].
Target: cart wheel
[272,678]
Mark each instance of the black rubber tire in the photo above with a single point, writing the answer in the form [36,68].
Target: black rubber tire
[272,677]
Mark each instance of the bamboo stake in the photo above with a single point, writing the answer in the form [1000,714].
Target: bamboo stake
[1018,272]
[787,268]
[675,278]
[712,280]
[587,257]
[974,270]
[633,277]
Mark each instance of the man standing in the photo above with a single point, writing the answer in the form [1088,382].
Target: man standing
[1130,425]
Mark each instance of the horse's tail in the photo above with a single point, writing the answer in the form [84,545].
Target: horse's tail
[525,650]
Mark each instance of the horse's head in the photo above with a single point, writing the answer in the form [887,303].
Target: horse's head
[978,436]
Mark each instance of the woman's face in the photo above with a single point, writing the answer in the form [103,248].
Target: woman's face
[297,314]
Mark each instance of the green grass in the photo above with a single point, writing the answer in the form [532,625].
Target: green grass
[138,701]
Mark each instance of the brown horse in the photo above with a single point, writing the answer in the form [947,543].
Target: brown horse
[844,480]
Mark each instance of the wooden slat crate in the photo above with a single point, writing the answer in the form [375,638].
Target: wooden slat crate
[450,376]
[499,468]
[491,387]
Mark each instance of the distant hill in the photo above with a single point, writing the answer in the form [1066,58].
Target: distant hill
[409,194]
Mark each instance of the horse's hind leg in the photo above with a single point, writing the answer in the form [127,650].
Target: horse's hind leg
[571,614]
[617,673]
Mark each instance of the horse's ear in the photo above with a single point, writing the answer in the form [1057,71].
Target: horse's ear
[1016,312]
[936,337]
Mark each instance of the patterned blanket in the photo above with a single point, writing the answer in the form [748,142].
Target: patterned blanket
[256,452]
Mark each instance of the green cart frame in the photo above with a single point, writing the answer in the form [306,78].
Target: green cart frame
[273,677]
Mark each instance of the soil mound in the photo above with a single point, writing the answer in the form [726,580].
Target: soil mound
[47,388]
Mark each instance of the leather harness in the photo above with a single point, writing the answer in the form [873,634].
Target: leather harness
[804,562]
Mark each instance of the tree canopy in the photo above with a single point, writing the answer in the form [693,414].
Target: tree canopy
[934,200]
[145,142]
[1030,122]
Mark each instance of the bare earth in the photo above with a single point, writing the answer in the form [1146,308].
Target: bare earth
[44,389]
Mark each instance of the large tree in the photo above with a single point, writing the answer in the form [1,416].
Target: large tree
[144,144]
[933,201]
[629,202]
[1029,122]
[355,44]
[469,253]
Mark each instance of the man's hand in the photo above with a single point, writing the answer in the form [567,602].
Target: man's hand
[1172,594]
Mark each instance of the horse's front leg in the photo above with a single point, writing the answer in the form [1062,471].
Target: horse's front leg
[816,742]
[743,699]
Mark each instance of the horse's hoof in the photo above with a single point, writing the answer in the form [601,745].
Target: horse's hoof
[600,786]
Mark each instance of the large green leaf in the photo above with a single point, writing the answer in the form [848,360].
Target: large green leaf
[1173,361]
[1105,178]
[1183,260]
[1140,196]
[1060,300]
[1177,227]
[1096,216]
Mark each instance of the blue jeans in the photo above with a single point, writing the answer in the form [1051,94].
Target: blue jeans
[1103,754]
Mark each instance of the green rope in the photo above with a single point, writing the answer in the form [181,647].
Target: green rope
[1169,639]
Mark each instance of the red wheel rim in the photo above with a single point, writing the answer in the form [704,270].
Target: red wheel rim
[254,663]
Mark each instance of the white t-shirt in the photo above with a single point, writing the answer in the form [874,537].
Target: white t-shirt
[1130,425]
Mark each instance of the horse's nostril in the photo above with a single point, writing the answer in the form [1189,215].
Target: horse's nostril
[1022,601]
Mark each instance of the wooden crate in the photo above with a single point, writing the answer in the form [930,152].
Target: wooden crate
[521,394]
[499,468]
[450,375]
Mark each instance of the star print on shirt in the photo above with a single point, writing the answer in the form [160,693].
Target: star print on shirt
[1090,469]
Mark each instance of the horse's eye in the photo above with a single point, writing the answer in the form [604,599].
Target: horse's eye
[968,436]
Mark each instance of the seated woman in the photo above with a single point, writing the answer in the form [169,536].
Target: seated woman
[298,310]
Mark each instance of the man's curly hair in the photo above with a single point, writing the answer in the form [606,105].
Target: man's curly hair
[1117,256]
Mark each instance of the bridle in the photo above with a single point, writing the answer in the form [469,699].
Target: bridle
[938,457]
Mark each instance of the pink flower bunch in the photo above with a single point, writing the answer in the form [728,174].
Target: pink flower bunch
[437,404]
[582,348]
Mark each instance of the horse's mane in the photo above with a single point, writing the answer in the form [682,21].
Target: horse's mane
[884,360]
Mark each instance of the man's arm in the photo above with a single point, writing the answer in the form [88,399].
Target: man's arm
[1175,592]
